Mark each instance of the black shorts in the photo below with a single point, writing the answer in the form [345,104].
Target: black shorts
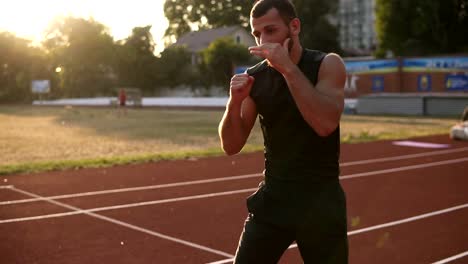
[320,233]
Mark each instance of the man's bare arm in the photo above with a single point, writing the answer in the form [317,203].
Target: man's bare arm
[239,117]
[321,106]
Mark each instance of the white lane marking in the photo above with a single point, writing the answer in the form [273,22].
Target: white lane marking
[142,188]
[222,261]
[231,178]
[409,156]
[39,217]
[351,176]
[447,260]
[107,208]
[127,225]
[394,223]
[407,220]
[417,144]
[6,186]
[411,167]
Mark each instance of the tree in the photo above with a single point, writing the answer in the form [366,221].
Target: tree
[85,52]
[136,60]
[205,14]
[174,67]
[220,58]
[19,65]
[420,27]
[318,32]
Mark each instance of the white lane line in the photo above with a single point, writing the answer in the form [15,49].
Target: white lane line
[127,225]
[394,223]
[107,208]
[231,178]
[222,261]
[142,188]
[6,186]
[407,220]
[411,167]
[346,177]
[418,144]
[409,156]
[447,260]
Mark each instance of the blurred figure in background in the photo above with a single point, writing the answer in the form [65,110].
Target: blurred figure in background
[122,102]
[460,130]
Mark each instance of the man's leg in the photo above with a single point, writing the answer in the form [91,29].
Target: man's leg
[324,249]
[262,242]
[322,237]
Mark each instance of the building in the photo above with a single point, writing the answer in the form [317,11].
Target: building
[200,40]
[356,19]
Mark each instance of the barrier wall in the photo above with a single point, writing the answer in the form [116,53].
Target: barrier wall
[407,75]
[419,104]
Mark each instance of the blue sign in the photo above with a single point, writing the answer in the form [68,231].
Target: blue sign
[377,83]
[373,66]
[441,64]
[454,82]
[424,83]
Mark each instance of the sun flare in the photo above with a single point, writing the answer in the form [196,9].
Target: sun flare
[30,18]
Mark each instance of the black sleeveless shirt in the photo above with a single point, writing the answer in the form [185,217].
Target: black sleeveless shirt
[296,157]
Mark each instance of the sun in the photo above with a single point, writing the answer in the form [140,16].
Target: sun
[30,18]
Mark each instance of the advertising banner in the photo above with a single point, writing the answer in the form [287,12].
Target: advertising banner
[456,82]
[371,67]
[441,64]
[40,86]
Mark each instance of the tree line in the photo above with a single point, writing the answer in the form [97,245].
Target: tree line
[81,58]
[422,27]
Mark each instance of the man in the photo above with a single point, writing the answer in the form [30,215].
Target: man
[122,101]
[298,95]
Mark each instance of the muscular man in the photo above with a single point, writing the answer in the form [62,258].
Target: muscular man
[298,95]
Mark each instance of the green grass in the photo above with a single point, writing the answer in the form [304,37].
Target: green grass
[34,139]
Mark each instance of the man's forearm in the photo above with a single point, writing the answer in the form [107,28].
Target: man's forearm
[231,129]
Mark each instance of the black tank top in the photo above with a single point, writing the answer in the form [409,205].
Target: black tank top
[294,153]
[301,167]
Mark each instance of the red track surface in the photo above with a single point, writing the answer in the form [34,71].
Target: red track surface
[200,228]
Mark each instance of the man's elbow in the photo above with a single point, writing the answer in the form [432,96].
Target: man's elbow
[328,126]
[231,153]
[327,129]
[324,132]
[230,150]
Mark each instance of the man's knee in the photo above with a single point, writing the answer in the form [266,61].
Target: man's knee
[261,243]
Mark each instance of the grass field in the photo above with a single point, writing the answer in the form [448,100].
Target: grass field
[46,138]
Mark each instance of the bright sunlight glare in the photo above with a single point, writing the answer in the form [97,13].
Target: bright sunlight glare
[30,18]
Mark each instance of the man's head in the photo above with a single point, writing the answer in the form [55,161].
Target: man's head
[273,21]
[285,8]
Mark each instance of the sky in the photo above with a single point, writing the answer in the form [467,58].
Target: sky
[30,18]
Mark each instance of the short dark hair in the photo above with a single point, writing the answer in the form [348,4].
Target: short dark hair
[285,8]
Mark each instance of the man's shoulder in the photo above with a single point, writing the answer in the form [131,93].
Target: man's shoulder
[317,57]
[314,55]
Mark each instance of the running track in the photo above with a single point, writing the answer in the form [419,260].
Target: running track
[405,205]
